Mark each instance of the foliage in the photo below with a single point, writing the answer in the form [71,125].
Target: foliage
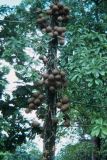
[78,151]
[25,152]
[83,57]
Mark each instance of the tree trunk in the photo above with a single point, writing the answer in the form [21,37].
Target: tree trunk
[96,148]
[50,127]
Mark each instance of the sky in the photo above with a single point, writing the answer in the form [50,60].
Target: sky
[10,2]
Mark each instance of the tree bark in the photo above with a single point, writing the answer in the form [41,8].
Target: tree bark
[50,127]
[96,148]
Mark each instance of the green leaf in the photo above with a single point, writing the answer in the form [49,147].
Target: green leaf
[95,131]
[104,131]
[99,121]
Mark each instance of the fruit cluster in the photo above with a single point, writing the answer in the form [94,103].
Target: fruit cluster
[59,13]
[63,104]
[55,80]
[35,101]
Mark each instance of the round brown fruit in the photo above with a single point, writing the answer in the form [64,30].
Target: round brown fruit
[46,82]
[55,33]
[45,75]
[45,60]
[55,71]
[30,100]
[31,106]
[65,107]
[60,18]
[63,35]
[51,34]
[41,97]
[36,94]
[60,5]
[37,101]
[51,77]
[27,110]
[52,89]
[49,12]
[56,28]
[58,77]
[62,73]
[49,29]
[41,57]
[63,29]
[55,8]
[40,83]
[58,104]
[61,42]
[65,100]
[58,84]
[66,9]
[44,30]
[35,124]
[60,29]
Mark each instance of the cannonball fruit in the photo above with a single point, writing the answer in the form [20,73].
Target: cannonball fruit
[60,5]
[35,124]
[66,9]
[61,42]
[58,77]
[55,33]
[41,57]
[52,89]
[45,75]
[37,102]
[60,18]
[65,107]
[27,110]
[51,77]
[41,97]
[31,106]
[58,84]
[51,34]
[46,82]
[49,29]
[40,83]
[58,104]
[36,94]
[31,100]
[55,71]
[62,73]
[44,30]
[65,100]
[49,12]
[45,60]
